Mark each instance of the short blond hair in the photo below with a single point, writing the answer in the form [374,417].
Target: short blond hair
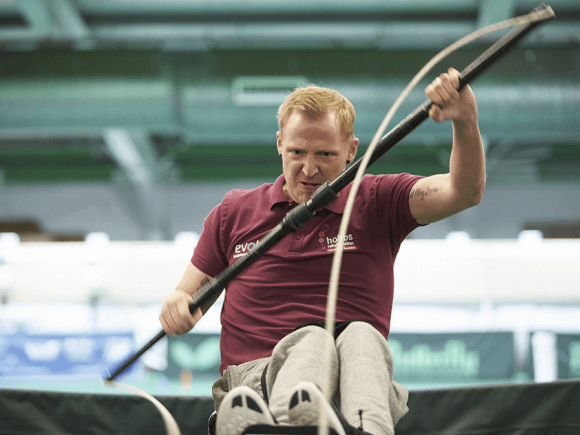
[315,101]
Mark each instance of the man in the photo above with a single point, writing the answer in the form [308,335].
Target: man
[273,352]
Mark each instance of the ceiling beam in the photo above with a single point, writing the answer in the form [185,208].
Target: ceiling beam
[53,20]
[36,13]
[70,21]
[244,6]
[200,25]
[135,154]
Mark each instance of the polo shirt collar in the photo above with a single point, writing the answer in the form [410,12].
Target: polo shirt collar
[277,197]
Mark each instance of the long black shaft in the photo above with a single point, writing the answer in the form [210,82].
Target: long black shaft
[300,214]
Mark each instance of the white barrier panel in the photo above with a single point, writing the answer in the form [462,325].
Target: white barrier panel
[426,271]
[490,271]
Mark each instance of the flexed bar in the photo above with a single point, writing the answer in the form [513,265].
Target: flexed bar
[474,69]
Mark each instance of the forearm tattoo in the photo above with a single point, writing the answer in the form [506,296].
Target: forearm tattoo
[418,192]
[203,282]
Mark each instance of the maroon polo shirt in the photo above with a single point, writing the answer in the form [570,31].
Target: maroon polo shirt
[288,285]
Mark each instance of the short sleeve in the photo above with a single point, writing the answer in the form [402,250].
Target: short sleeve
[208,255]
[391,193]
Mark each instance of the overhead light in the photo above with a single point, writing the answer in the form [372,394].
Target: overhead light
[9,244]
[97,245]
[458,237]
[530,236]
[185,241]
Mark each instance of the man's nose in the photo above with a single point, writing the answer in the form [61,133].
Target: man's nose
[310,167]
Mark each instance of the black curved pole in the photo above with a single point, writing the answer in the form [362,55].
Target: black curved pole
[299,215]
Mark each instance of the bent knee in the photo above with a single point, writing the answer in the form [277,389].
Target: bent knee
[364,337]
[360,328]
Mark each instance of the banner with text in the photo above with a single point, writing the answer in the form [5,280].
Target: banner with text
[448,357]
[453,357]
[23,354]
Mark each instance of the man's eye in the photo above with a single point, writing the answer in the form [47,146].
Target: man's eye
[296,152]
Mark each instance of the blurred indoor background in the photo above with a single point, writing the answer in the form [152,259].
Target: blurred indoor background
[124,122]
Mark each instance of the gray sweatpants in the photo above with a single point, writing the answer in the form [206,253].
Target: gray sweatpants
[362,375]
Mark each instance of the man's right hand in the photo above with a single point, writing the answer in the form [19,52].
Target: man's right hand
[175,316]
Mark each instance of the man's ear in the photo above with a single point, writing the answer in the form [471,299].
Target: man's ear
[279,142]
[352,149]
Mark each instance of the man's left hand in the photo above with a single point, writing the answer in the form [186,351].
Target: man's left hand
[448,103]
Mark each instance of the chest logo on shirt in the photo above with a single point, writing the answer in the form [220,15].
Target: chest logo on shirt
[244,248]
[330,244]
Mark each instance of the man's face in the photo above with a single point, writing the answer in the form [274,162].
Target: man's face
[313,151]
